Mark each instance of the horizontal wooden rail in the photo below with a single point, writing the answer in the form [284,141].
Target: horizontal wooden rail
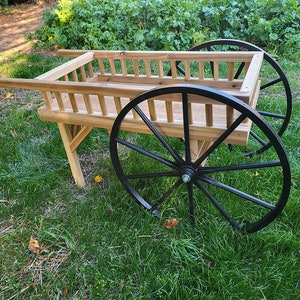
[67,67]
[225,56]
[73,87]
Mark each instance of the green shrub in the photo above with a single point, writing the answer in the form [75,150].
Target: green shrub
[171,24]
[3,3]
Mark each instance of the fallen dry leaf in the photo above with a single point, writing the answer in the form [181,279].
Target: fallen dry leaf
[34,246]
[110,208]
[98,178]
[64,293]
[122,285]
[208,262]
[9,95]
[171,223]
[13,133]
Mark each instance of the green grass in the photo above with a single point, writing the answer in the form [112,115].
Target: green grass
[27,65]
[97,243]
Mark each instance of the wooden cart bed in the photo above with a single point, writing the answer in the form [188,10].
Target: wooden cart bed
[91,89]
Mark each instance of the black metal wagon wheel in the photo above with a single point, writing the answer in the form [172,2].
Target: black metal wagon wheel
[160,173]
[275,99]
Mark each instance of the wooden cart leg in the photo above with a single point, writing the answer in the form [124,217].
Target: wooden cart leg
[198,148]
[72,155]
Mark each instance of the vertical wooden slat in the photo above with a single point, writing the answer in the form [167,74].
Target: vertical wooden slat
[148,68]
[101,66]
[123,67]
[73,102]
[187,69]
[229,115]
[209,115]
[88,105]
[60,102]
[173,69]
[247,64]
[169,111]
[47,99]
[230,70]
[216,70]
[90,70]
[136,67]
[102,104]
[152,110]
[112,66]
[160,68]
[74,75]
[66,77]
[201,70]
[118,104]
[83,74]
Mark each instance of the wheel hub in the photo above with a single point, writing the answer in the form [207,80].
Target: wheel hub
[188,174]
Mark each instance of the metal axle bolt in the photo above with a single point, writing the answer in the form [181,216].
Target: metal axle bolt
[186,178]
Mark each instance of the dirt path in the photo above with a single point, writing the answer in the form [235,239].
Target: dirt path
[15,24]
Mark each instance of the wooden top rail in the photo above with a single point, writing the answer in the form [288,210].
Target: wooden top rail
[226,56]
[73,87]
[67,67]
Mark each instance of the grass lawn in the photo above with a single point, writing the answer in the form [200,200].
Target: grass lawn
[97,243]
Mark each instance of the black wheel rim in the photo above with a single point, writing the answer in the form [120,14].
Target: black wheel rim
[274,85]
[159,173]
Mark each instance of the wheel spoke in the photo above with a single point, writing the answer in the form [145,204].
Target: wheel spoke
[159,136]
[220,140]
[260,140]
[191,202]
[273,115]
[181,70]
[240,167]
[215,202]
[150,175]
[264,86]
[238,193]
[239,71]
[147,153]
[186,126]
[166,194]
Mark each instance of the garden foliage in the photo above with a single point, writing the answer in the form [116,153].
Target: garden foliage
[171,24]
[4,3]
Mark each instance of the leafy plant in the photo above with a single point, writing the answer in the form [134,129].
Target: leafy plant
[3,3]
[171,24]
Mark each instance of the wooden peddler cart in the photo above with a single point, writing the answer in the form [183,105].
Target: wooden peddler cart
[182,125]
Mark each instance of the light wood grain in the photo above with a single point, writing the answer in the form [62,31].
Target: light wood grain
[91,89]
